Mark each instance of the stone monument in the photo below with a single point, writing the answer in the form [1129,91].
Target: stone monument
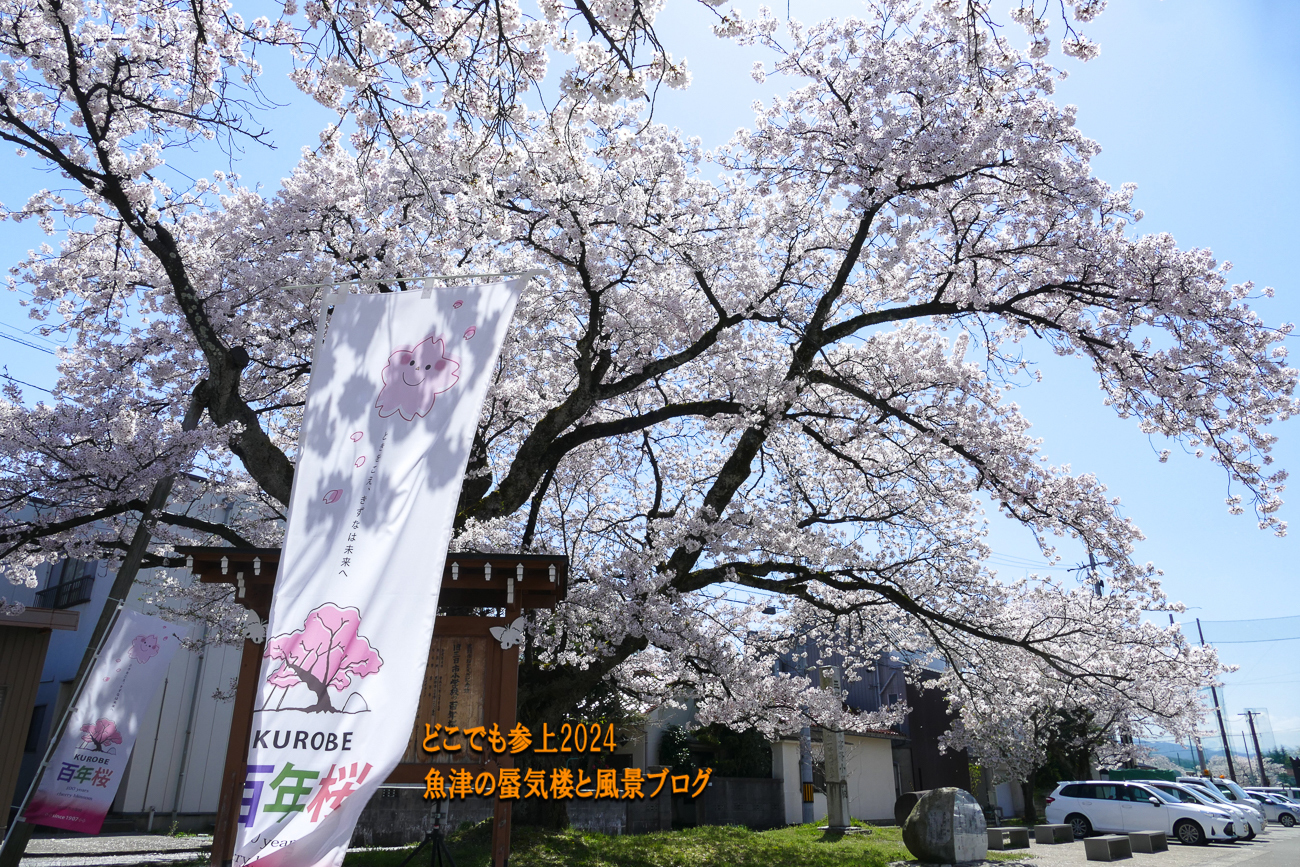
[837,787]
[946,827]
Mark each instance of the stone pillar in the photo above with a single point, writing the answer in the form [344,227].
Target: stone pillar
[837,786]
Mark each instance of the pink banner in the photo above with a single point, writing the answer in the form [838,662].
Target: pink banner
[86,768]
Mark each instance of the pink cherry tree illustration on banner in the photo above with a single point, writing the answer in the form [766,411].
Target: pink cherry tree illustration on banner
[100,735]
[326,654]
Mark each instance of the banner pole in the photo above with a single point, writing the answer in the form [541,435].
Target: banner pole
[57,733]
[331,299]
[531,272]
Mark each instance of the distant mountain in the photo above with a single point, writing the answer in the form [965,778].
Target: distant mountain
[1174,751]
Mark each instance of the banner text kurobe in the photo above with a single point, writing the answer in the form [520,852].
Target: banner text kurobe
[390,417]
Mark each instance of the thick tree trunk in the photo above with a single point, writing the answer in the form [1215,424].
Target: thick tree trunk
[316,685]
[1027,791]
[539,812]
[551,696]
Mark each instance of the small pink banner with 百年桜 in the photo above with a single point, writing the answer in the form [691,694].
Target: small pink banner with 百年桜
[86,768]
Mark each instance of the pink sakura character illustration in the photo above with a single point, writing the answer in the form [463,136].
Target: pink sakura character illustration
[144,648]
[414,377]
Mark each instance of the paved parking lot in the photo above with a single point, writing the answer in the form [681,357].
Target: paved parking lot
[1276,847]
[114,850]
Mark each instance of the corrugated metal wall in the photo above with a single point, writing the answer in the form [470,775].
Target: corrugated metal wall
[185,701]
[22,653]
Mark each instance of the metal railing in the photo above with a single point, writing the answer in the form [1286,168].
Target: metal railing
[67,594]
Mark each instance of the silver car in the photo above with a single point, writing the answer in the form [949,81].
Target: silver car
[1275,808]
[1197,795]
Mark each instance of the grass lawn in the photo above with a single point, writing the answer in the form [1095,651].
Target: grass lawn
[710,846]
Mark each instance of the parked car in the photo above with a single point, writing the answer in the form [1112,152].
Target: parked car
[1286,794]
[1242,816]
[1291,793]
[1254,816]
[1115,807]
[1276,808]
[1293,803]
[1230,791]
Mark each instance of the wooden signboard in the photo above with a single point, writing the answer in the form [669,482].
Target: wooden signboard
[469,680]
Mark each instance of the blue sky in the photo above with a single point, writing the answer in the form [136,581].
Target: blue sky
[1198,103]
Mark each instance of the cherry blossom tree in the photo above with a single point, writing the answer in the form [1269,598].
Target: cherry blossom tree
[1247,770]
[1048,725]
[101,734]
[778,368]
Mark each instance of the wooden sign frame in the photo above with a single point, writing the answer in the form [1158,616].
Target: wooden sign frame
[508,582]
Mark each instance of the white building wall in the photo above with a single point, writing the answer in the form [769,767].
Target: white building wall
[151,777]
[157,764]
[871,778]
[647,749]
[785,767]
[1010,799]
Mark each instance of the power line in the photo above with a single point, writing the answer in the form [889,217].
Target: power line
[1264,682]
[28,384]
[19,340]
[1260,640]
[1252,619]
[29,332]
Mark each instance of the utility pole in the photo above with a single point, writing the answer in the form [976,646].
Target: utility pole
[805,755]
[1218,712]
[1250,717]
[806,775]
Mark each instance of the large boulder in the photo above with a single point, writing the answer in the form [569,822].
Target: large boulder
[946,827]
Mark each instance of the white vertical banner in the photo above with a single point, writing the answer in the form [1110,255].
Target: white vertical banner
[391,412]
[87,766]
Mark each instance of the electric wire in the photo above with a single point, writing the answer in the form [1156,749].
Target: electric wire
[19,340]
[21,382]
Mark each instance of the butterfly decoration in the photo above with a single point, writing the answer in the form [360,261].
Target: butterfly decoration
[510,635]
[253,628]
